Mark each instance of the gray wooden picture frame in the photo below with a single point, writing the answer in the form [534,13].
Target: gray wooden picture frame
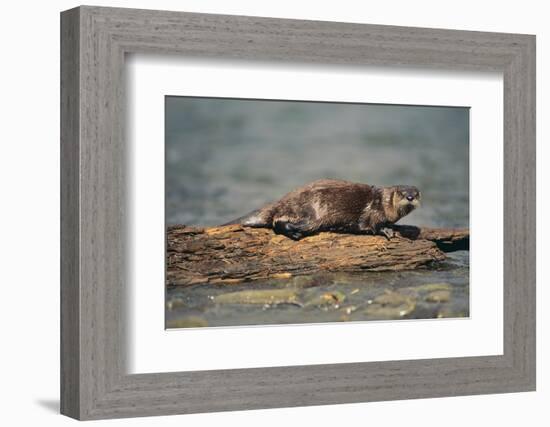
[94,382]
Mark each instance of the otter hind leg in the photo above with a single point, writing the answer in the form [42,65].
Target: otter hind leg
[254,220]
[292,230]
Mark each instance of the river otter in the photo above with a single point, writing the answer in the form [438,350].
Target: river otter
[335,205]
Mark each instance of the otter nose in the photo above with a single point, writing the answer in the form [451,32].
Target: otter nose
[410,198]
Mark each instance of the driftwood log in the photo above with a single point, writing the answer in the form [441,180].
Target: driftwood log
[234,254]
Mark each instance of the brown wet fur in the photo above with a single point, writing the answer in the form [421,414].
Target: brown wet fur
[334,205]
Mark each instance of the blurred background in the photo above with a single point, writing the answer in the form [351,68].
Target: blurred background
[227,157]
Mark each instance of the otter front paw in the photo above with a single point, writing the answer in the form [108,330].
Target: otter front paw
[388,232]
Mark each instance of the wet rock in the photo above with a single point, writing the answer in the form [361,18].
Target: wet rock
[301,281]
[175,303]
[347,310]
[260,296]
[342,278]
[322,279]
[390,305]
[326,300]
[430,287]
[389,298]
[187,322]
[449,314]
[438,296]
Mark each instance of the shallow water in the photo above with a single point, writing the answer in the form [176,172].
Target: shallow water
[441,292]
[225,158]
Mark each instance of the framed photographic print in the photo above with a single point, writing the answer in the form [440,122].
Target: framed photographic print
[262,213]
[248,151]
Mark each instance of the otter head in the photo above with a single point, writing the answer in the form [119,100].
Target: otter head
[405,199]
[399,201]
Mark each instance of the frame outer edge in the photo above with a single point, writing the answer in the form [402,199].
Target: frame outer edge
[527,167]
[89,390]
[520,216]
[70,396]
[532,184]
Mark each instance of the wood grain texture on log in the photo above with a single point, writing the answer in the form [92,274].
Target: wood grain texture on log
[234,254]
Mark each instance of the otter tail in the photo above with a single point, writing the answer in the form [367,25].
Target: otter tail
[256,218]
